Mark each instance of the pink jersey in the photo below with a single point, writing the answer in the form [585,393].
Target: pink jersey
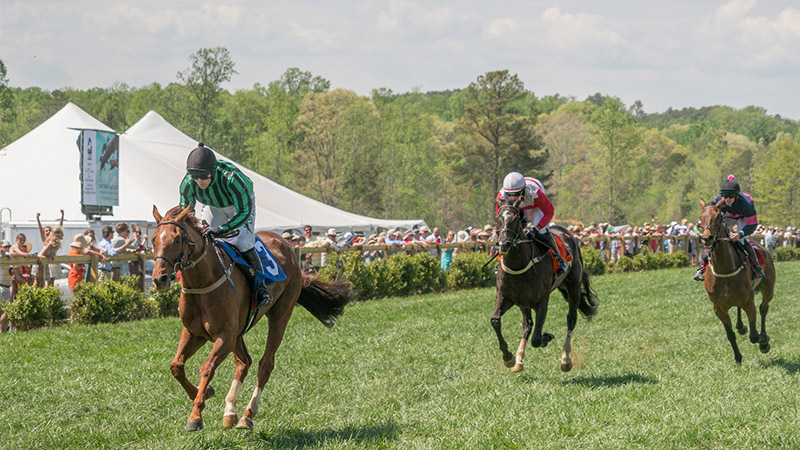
[536,207]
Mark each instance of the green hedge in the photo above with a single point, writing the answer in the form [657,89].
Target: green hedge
[787,254]
[109,301]
[165,303]
[648,260]
[36,307]
[592,262]
[402,274]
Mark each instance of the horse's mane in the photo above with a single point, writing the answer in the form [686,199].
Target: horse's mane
[190,218]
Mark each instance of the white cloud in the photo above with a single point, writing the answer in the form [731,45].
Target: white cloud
[502,28]
[315,39]
[568,30]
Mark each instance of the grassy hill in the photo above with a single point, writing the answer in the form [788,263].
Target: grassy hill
[653,370]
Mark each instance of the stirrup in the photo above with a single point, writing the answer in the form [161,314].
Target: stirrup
[263,296]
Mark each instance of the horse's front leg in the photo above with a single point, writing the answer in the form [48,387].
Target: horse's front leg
[502,305]
[243,361]
[740,326]
[540,339]
[222,347]
[527,325]
[188,344]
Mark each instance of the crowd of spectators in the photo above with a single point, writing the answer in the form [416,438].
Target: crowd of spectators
[612,241]
[119,239]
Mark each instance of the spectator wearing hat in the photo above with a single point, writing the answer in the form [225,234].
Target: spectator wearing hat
[330,242]
[78,247]
[286,235]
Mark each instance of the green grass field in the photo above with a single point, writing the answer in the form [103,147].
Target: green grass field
[653,370]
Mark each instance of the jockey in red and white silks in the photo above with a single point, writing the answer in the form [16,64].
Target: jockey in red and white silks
[536,207]
[537,210]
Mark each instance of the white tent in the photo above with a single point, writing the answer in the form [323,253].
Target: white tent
[41,174]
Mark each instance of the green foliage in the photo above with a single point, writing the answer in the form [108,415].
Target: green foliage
[109,301]
[36,307]
[787,253]
[592,261]
[648,260]
[165,303]
[467,271]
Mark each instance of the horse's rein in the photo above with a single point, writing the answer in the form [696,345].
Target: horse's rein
[184,239]
[515,240]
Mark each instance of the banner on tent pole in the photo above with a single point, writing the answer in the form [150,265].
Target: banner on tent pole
[99,171]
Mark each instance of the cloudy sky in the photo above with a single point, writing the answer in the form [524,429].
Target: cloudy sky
[674,53]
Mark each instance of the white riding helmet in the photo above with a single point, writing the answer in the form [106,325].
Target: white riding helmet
[513,182]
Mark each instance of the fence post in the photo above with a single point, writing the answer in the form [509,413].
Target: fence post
[40,273]
[93,275]
[142,271]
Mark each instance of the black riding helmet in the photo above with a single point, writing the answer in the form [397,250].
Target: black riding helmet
[201,162]
[729,187]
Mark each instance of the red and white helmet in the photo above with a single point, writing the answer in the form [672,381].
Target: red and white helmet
[514,182]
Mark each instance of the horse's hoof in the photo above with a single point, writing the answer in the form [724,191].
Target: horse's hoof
[508,362]
[763,344]
[517,368]
[546,338]
[245,423]
[566,367]
[209,392]
[194,425]
[742,330]
[229,421]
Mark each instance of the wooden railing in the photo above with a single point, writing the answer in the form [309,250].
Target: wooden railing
[91,260]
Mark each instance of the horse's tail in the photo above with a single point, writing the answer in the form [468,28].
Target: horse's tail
[324,300]
[588,304]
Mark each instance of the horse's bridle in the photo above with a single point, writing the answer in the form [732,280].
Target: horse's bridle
[715,236]
[178,263]
[514,239]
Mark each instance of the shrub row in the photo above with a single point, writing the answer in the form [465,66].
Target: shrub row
[402,274]
[104,301]
[787,254]
[646,260]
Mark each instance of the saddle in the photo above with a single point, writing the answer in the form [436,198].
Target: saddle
[565,255]
[273,274]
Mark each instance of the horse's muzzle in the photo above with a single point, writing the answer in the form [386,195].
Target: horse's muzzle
[163,282]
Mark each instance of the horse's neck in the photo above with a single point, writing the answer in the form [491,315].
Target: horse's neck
[521,253]
[725,255]
[204,263]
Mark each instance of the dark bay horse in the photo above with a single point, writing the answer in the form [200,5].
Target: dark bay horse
[728,280]
[211,311]
[525,278]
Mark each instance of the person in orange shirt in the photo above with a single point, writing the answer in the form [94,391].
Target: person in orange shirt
[77,271]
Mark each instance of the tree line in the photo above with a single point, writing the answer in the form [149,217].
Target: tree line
[441,155]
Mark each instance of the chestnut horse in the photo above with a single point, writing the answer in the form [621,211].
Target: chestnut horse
[211,311]
[525,278]
[728,280]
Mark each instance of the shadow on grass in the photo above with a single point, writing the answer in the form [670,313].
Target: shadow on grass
[359,435]
[612,381]
[791,367]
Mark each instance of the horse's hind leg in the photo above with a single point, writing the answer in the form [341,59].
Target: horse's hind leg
[573,299]
[750,310]
[726,322]
[222,347]
[243,361]
[740,326]
[763,309]
[527,325]
[500,308]
[188,345]
[540,339]
[277,327]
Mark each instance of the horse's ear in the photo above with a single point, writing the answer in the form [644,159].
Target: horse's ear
[720,203]
[183,213]
[156,214]
[702,203]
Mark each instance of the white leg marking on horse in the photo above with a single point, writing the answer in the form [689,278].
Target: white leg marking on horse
[521,351]
[232,398]
[253,405]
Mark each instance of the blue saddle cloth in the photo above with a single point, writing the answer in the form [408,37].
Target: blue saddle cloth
[272,271]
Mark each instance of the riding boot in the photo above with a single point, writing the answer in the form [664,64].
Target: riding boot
[262,293]
[548,239]
[751,253]
[700,274]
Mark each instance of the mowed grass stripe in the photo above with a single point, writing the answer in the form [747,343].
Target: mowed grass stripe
[652,370]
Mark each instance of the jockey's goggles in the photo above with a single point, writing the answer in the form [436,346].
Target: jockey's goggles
[200,175]
[728,195]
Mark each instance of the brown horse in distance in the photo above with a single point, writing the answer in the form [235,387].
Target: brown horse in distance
[211,311]
[728,280]
[525,278]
